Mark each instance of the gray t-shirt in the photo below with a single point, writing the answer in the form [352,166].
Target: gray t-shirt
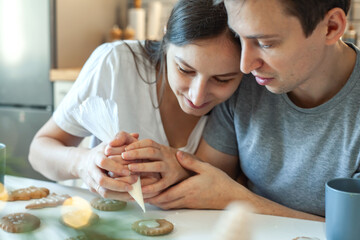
[288,153]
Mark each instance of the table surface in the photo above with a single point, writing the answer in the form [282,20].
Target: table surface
[188,224]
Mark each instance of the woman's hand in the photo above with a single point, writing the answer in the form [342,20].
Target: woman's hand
[95,165]
[159,159]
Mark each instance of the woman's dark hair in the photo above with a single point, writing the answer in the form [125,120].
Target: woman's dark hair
[189,21]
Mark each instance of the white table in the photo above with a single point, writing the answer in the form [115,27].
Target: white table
[189,224]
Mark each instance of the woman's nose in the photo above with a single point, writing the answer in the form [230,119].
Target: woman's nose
[197,90]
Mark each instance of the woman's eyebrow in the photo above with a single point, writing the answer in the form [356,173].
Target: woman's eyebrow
[217,75]
[183,62]
[227,74]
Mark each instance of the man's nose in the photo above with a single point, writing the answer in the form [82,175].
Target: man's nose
[250,59]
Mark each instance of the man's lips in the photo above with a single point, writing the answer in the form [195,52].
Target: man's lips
[263,81]
[194,106]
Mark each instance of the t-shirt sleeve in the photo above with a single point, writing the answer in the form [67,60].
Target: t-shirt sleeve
[90,82]
[219,131]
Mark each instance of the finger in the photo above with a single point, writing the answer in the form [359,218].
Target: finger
[149,153]
[157,167]
[142,144]
[110,165]
[114,150]
[118,184]
[145,181]
[123,196]
[176,192]
[176,204]
[135,135]
[159,201]
[158,186]
[122,138]
[190,162]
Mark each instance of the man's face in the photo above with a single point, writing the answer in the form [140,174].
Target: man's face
[274,47]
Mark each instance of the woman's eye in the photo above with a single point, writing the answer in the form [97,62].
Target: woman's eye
[223,80]
[183,70]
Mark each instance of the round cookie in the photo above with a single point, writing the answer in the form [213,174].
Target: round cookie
[152,227]
[105,204]
[19,222]
[79,219]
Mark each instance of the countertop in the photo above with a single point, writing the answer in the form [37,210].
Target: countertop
[64,74]
[188,224]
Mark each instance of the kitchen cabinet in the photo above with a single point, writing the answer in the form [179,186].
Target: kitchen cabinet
[63,80]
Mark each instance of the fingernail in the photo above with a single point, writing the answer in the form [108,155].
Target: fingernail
[123,156]
[180,155]
[132,167]
[107,150]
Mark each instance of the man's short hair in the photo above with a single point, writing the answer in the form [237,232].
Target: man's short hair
[309,12]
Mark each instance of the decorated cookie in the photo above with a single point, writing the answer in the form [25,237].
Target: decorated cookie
[105,204]
[19,222]
[26,194]
[79,219]
[153,227]
[52,200]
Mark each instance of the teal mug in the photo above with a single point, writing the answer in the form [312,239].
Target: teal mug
[342,209]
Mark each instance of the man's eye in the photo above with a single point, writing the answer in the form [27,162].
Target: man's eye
[263,45]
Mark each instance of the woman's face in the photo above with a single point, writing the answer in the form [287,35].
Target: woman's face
[204,73]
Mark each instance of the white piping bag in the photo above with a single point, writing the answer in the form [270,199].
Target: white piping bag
[100,117]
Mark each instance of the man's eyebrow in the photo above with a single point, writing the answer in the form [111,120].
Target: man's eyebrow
[255,36]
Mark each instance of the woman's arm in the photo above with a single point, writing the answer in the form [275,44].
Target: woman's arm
[55,154]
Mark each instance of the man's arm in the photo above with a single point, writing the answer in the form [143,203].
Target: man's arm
[230,165]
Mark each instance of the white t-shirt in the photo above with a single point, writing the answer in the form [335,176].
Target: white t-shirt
[111,73]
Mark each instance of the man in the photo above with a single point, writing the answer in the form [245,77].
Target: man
[294,122]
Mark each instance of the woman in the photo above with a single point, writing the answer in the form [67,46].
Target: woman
[163,90]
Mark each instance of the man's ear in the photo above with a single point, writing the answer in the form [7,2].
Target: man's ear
[336,25]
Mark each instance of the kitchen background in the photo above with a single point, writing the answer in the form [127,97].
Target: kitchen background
[44,44]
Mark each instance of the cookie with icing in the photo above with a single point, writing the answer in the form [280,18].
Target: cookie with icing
[105,204]
[19,222]
[53,200]
[152,227]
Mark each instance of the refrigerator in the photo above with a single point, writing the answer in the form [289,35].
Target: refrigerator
[27,40]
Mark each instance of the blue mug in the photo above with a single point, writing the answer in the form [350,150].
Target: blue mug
[342,209]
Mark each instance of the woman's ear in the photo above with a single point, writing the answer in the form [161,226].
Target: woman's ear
[336,25]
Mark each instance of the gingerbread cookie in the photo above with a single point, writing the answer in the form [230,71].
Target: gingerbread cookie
[79,219]
[153,227]
[26,194]
[104,204]
[19,222]
[52,200]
